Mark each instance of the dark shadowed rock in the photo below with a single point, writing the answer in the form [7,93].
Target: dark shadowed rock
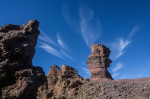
[17,47]
[19,79]
[98,62]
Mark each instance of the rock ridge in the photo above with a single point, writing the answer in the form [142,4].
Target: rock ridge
[19,79]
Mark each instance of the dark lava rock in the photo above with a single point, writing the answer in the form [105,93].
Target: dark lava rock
[19,79]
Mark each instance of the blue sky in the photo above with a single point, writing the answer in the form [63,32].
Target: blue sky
[69,27]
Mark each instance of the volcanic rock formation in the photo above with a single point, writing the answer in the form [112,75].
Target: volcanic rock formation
[98,62]
[19,79]
[60,82]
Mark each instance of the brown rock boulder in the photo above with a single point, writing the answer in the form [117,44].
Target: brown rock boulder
[18,78]
[17,46]
[98,62]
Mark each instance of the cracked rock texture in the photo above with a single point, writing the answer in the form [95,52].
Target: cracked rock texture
[19,79]
[98,62]
[61,83]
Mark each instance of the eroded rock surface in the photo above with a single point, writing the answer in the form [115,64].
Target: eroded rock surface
[18,78]
[61,82]
[98,62]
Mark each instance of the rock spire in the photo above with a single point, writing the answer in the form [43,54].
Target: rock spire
[98,62]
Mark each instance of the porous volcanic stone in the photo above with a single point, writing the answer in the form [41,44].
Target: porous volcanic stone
[98,62]
[19,79]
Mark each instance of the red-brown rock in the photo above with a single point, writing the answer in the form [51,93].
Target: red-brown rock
[19,79]
[60,81]
[98,62]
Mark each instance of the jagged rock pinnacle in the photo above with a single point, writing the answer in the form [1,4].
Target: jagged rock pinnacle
[98,62]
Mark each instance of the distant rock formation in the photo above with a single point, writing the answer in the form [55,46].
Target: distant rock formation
[61,81]
[98,62]
[19,79]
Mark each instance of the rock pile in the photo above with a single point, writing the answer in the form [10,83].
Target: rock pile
[98,62]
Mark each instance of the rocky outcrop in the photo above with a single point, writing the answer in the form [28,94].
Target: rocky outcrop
[18,78]
[17,46]
[98,62]
[61,82]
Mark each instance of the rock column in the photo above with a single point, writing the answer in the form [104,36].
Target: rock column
[98,62]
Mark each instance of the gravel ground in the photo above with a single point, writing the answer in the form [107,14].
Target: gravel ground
[117,89]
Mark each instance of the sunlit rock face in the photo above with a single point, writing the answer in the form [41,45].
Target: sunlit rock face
[19,79]
[60,82]
[98,62]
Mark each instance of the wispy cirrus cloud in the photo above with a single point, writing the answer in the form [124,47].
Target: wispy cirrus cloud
[61,43]
[45,38]
[90,27]
[118,66]
[133,31]
[118,47]
[87,26]
[60,49]
[51,50]
[66,55]
[115,74]
[72,23]
[86,70]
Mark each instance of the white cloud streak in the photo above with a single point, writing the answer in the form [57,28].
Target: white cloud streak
[90,28]
[86,71]
[47,42]
[133,31]
[66,55]
[51,50]
[117,67]
[61,43]
[118,48]
[121,44]
[45,38]
[115,74]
